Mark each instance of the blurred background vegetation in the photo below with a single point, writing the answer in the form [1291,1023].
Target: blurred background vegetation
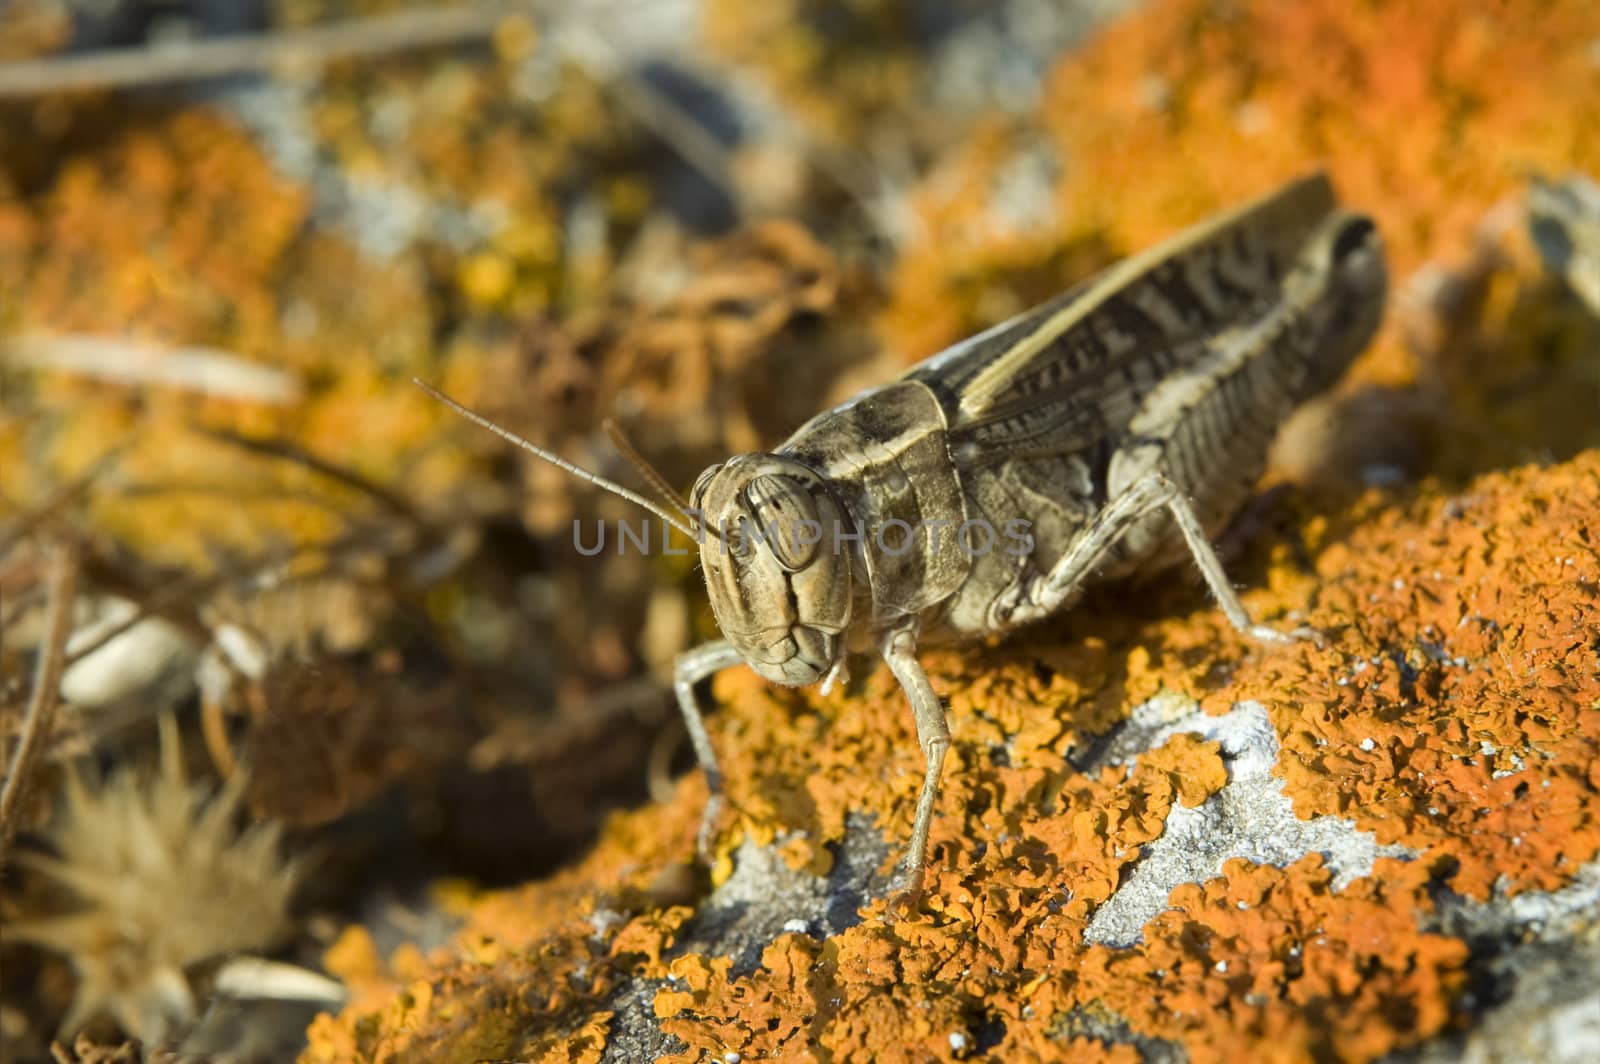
[284,642]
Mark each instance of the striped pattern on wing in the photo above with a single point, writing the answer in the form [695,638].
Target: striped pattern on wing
[1073,372]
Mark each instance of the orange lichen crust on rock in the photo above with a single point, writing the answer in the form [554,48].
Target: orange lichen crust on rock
[1422,112]
[1270,964]
[1468,726]
[1452,705]
[528,973]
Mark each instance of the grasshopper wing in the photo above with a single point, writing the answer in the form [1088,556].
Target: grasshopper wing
[1073,371]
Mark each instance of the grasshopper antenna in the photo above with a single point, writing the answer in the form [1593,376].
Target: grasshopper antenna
[621,442]
[557,461]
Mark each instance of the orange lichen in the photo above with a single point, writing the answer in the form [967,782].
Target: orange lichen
[837,65]
[1270,964]
[1455,706]
[529,969]
[1263,962]
[142,241]
[1475,618]
[30,28]
[1469,725]
[964,268]
[1422,112]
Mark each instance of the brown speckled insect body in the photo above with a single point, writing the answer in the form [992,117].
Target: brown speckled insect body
[1111,430]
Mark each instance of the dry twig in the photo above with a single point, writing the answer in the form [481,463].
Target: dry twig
[289,451]
[40,720]
[311,47]
[59,500]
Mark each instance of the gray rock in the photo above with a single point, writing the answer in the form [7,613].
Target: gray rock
[1251,817]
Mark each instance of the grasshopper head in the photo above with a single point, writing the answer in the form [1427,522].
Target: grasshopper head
[772,545]
[777,564]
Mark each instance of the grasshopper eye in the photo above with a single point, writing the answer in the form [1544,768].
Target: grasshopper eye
[786,515]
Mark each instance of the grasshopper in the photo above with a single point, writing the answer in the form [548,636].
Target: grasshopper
[1111,430]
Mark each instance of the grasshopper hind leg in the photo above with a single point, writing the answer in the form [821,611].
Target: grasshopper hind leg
[1210,566]
[1151,492]
[691,667]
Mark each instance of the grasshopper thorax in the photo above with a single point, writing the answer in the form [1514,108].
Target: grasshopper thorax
[775,544]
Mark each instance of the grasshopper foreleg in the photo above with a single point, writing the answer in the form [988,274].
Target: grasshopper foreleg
[691,667]
[899,649]
[1150,492]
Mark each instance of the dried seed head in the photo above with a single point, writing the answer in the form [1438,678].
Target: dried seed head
[166,881]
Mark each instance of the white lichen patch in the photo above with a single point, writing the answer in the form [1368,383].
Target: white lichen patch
[1251,818]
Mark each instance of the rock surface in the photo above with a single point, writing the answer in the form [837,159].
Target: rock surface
[1151,836]
[1155,841]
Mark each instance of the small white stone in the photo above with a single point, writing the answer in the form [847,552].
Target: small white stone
[730,1057]
[605,920]
[796,926]
[1252,118]
[1368,744]
[1221,966]
[1153,92]
[958,1041]
[243,650]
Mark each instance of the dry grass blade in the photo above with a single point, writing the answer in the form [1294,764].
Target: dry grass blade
[40,719]
[216,57]
[657,111]
[289,451]
[193,368]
